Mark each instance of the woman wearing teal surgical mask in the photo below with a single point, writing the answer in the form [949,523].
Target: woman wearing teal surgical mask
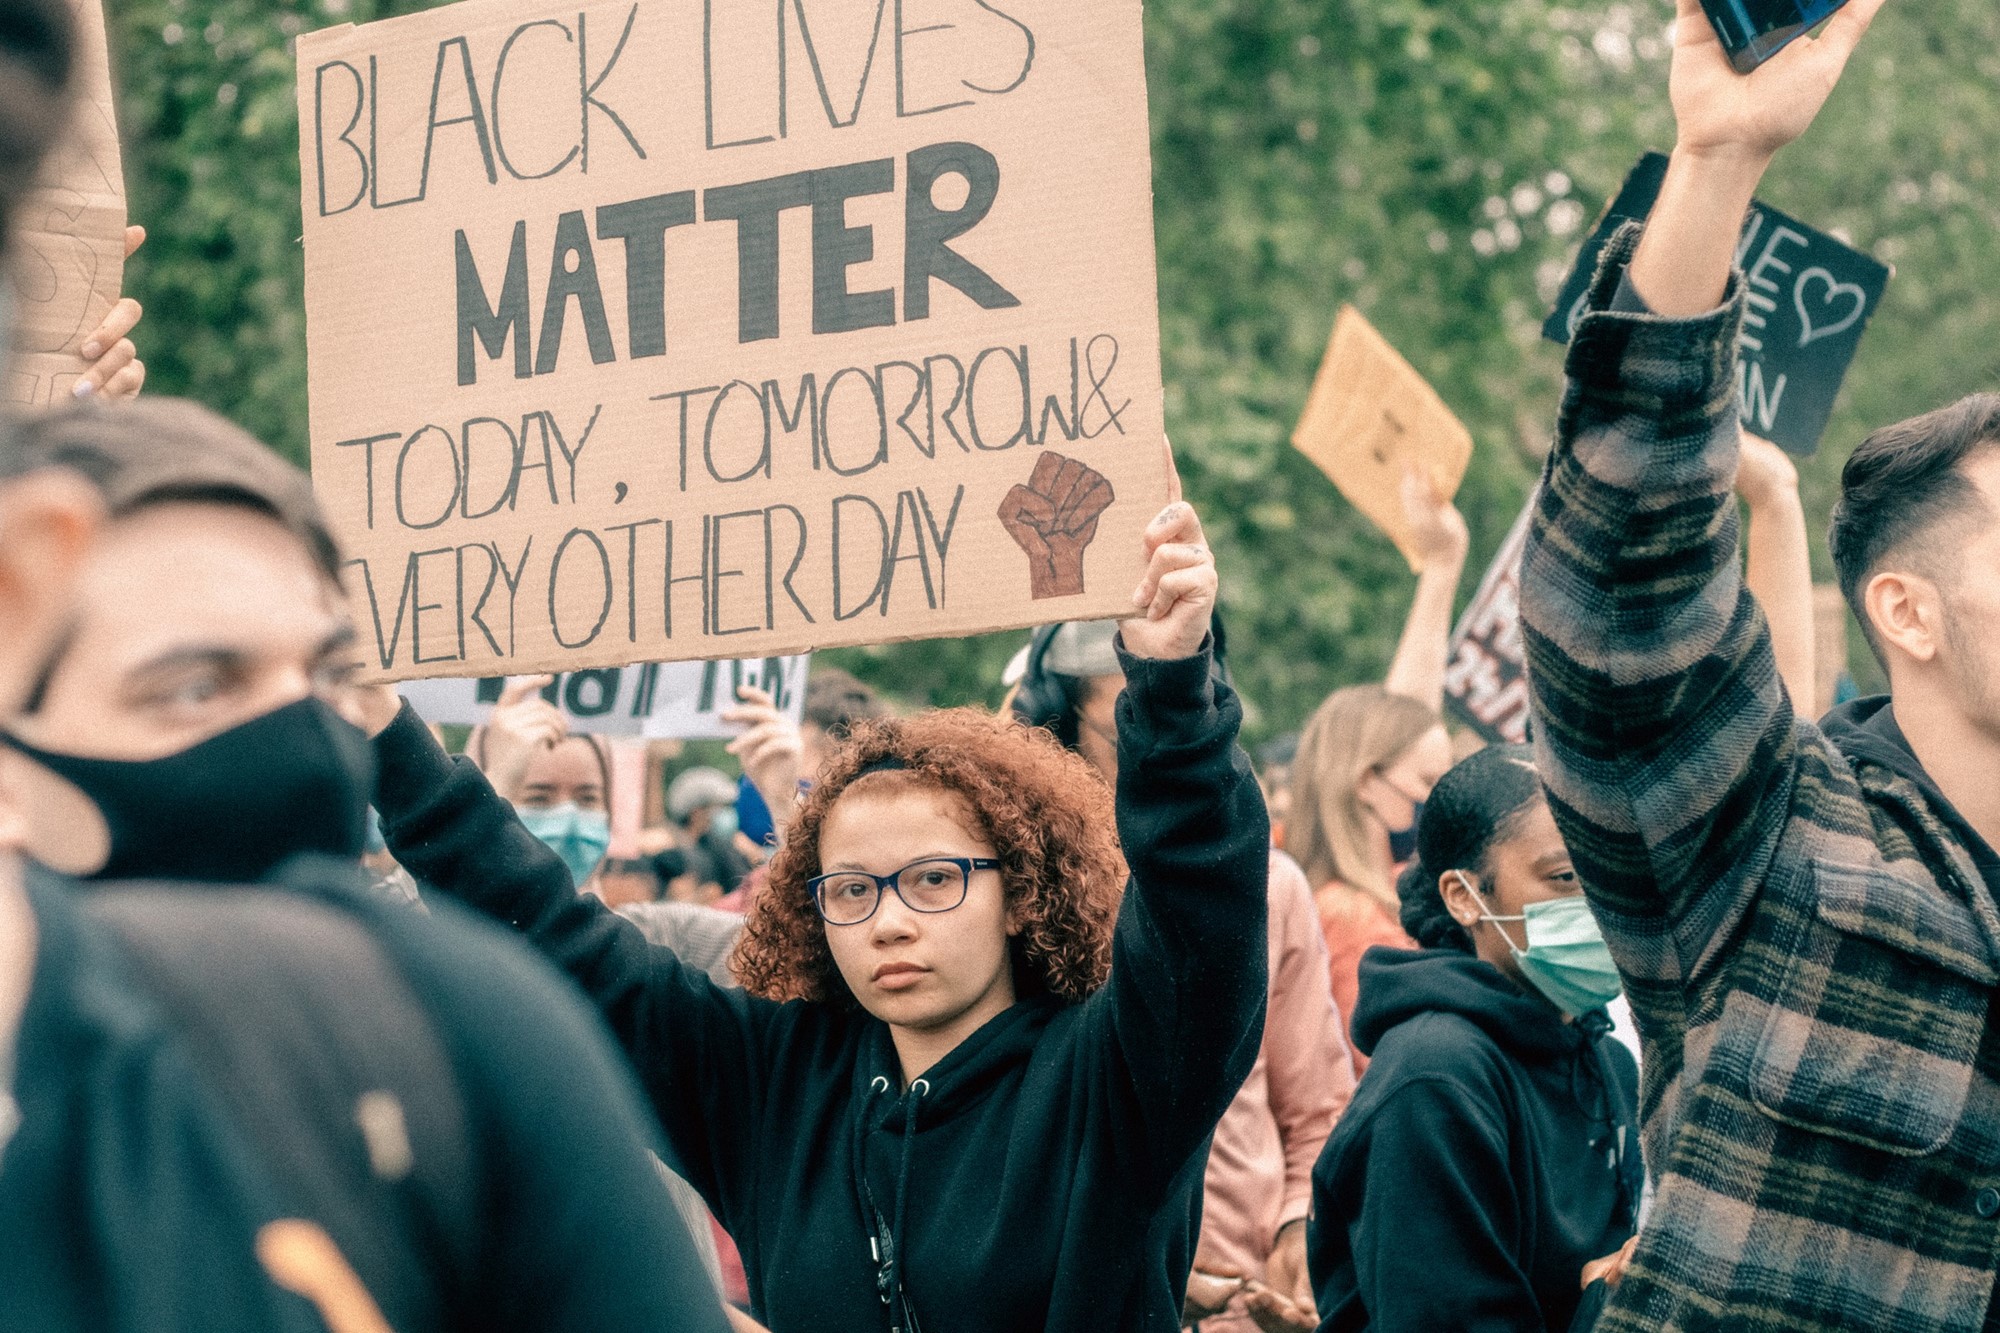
[559,784]
[1489,1154]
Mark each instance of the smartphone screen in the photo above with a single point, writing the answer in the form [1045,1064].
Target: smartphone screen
[1753,31]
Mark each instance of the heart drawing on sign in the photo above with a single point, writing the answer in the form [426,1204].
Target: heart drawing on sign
[1836,292]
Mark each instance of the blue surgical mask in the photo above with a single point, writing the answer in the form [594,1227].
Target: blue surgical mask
[1566,958]
[579,837]
[722,822]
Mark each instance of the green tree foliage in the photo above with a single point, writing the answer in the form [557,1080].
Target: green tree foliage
[1434,162]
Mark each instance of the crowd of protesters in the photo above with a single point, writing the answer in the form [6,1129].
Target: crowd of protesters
[1062,1016]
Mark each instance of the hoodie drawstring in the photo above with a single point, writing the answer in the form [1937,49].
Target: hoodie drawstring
[1596,1029]
[885,1243]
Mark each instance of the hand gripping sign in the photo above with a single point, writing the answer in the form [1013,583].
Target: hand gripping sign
[728,328]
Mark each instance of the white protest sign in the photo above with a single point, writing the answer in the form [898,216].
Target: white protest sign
[680,700]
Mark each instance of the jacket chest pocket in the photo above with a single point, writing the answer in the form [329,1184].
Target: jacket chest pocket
[1874,1032]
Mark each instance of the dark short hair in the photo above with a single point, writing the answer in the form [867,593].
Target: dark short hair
[836,701]
[1900,486]
[1476,805]
[36,48]
[155,451]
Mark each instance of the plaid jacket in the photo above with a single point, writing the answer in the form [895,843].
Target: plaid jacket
[1810,954]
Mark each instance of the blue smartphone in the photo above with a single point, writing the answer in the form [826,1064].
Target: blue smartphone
[1752,31]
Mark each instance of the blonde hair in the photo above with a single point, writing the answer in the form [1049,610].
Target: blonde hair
[1356,731]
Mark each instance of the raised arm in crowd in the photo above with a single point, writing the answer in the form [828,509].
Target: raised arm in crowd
[1804,915]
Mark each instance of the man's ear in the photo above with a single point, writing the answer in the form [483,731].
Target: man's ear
[47,521]
[1907,613]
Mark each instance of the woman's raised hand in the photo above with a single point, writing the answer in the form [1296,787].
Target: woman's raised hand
[1177,595]
[522,723]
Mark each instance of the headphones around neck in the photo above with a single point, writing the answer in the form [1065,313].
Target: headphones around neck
[1049,699]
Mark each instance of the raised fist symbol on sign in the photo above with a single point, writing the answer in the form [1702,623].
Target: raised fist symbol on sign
[1054,518]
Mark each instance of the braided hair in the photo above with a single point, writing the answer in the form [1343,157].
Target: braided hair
[1479,803]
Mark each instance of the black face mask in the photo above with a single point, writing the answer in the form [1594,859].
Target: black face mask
[231,808]
[1403,841]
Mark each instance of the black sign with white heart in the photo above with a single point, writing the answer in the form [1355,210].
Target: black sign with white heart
[1809,301]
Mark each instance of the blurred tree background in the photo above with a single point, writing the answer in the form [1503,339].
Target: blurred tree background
[1434,162]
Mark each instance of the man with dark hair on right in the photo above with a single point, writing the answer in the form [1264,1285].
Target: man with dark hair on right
[1807,918]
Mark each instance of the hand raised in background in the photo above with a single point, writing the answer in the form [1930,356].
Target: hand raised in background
[1436,526]
[1054,518]
[522,723]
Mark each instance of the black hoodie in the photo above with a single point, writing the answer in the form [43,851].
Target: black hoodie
[193,1065]
[1475,1172]
[1048,1170]
[1866,732]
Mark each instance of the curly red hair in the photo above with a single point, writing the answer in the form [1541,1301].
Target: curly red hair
[1047,813]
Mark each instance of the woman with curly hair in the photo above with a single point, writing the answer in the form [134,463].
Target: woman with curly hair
[970,1080]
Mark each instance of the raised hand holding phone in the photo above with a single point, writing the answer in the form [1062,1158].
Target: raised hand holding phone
[1752,31]
[1729,126]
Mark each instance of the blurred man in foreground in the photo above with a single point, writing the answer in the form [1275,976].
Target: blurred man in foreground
[245,1094]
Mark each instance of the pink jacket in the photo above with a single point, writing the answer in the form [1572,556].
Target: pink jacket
[1260,1169]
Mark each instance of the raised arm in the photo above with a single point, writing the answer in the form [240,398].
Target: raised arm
[695,1046]
[1417,671]
[1663,733]
[1778,569]
[1179,1021]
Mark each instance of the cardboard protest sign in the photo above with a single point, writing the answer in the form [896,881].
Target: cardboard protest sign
[678,700]
[1486,674]
[1369,417]
[646,332]
[68,264]
[1810,299]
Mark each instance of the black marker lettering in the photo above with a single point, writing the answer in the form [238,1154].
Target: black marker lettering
[499,74]
[642,224]
[755,207]
[345,136]
[492,324]
[927,227]
[573,274]
[555,576]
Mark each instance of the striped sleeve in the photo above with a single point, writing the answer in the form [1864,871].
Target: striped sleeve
[1663,734]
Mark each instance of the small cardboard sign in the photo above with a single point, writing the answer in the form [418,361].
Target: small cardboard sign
[1370,417]
[1810,299]
[649,332]
[674,700]
[68,264]
[1486,674]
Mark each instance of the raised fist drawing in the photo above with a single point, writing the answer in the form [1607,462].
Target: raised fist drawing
[1054,518]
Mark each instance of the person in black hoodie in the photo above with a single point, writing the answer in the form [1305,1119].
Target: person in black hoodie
[952,1097]
[1489,1154]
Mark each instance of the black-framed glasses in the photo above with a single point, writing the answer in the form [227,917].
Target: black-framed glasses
[935,884]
